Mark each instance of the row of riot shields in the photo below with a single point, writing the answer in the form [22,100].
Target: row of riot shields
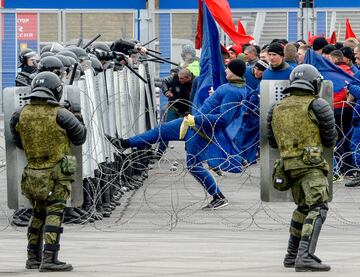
[112,102]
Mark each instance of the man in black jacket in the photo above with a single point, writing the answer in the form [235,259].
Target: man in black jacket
[177,88]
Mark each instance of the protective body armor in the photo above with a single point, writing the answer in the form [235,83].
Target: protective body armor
[291,113]
[45,142]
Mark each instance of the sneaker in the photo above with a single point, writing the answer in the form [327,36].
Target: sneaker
[120,144]
[353,183]
[216,203]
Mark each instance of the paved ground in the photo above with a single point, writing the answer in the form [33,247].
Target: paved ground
[159,230]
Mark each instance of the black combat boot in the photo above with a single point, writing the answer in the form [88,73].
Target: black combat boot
[33,257]
[34,251]
[50,262]
[306,260]
[292,250]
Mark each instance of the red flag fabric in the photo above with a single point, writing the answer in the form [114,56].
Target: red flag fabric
[332,38]
[311,38]
[349,32]
[198,36]
[221,12]
[241,29]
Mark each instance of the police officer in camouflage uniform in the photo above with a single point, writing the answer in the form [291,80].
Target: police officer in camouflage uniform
[300,125]
[44,130]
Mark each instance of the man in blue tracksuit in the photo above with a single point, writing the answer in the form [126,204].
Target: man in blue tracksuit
[209,135]
[279,69]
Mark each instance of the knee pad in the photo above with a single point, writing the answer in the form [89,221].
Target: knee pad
[321,209]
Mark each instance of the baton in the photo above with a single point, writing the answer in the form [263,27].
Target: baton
[137,74]
[161,59]
[91,41]
[73,74]
[150,41]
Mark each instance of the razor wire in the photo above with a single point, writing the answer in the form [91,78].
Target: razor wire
[167,196]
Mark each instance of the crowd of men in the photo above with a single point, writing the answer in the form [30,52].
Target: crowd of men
[275,61]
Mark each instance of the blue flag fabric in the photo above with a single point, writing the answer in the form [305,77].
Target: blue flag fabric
[212,70]
[328,70]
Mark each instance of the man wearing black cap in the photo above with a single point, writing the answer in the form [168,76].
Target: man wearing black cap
[327,50]
[349,58]
[209,134]
[319,43]
[253,75]
[279,69]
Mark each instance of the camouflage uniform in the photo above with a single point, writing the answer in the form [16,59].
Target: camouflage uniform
[297,128]
[44,132]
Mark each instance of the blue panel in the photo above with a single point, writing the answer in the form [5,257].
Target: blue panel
[292,27]
[75,4]
[321,23]
[165,48]
[234,4]
[165,42]
[337,3]
[9,51]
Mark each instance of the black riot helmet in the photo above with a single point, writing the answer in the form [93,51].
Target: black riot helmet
[305,77]
[68,53]
[26,54]
[65,61]
[46,85]
[54,48]
[46,54]
[52,64]
[100,46]
[96,64]
[79,52]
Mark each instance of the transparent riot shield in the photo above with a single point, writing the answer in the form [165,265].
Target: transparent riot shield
[89,162]
[109,74]
[142,101]
[102,104]
[116,102]
[270,92]
[150,97]
[95,126]
[15,157]
[124,101]
[133,101]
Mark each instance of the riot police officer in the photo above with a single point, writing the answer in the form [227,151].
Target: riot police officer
[28,66]
[44,130]
[300,125]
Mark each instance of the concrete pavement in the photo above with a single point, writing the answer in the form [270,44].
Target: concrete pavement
[159,230]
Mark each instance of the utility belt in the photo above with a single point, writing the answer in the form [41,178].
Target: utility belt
[310,158]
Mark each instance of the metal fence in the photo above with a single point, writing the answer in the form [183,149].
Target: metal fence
[174,28]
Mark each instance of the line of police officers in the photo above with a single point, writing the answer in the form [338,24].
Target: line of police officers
[44,129]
